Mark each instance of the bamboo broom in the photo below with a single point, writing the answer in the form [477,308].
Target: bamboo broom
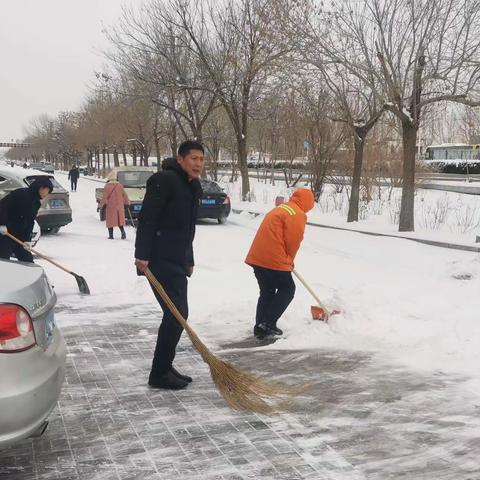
[241,390]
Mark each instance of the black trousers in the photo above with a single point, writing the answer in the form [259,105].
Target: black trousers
[73,184]
[8,248]
[174,281]
[277,290]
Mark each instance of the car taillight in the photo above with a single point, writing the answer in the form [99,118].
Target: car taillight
[16,329]
[227,200]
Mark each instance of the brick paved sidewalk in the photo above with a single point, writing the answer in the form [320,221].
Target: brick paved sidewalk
[109,425]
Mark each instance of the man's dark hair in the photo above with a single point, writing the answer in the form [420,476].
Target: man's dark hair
[185,147]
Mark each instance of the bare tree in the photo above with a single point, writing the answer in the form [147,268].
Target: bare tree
[150,50]
[324,135]
[239,47]
[420,52]
[358,108]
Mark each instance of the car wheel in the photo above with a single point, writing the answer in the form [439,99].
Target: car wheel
[54,229]
[221,220]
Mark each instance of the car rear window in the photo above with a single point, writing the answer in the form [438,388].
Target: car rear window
[56,185]
[133,179]
[210,187]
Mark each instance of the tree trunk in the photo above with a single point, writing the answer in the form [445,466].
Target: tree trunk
[134,155]
[242,165]
[157,152]
[89,159]
[409,140]
[124,155]
[215,155]
[116,163]
[173,140]
[97,162]
[359,143]
[104,162]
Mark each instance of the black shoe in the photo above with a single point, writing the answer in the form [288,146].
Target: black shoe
[258,332]
[269,329]
[185,378]
[124,235]
[168,381]
[278,331]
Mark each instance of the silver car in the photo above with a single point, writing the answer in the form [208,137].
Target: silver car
[32,351]
[55,211]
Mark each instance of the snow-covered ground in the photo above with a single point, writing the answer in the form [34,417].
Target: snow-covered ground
[409,303]
[439,215]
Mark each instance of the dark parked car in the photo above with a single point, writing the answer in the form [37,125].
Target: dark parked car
[215,203]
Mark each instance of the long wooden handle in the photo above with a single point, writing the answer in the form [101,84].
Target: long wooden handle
[314,295]
[15,239]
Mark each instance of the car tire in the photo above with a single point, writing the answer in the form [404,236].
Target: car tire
[221,220]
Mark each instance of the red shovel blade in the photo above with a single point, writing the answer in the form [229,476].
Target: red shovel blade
[318,313]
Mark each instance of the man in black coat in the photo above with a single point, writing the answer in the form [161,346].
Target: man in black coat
[73,175]
[18,211]
[165,233]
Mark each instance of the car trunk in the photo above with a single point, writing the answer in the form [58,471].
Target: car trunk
[55,200]
[27,285]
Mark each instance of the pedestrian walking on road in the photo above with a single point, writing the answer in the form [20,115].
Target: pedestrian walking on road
[73,176]
[114,200]
[164,244]
[272,256]
[18,211]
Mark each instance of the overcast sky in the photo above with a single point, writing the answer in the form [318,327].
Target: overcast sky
[48,53]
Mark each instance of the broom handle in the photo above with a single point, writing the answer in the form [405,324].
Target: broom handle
[15,239]
[314,295]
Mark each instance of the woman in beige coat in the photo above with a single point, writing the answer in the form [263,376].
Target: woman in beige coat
[114,200]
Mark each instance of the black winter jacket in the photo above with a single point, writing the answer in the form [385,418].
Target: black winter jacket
[19,209]
[166,225]
[74,174]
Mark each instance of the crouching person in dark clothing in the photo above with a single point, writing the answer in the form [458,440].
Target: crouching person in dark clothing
[18,211]
[165,233]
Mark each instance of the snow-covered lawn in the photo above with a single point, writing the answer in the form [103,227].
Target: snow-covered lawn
[439,215]
[408,303]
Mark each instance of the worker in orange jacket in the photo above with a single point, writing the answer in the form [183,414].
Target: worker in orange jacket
[272,256]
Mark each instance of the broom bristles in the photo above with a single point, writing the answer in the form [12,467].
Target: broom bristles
[242,390]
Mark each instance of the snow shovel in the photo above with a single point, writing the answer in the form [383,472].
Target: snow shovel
[320,311]
[82,284]
[131,218]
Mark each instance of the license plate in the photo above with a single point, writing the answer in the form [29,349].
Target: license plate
[137,208]
[56,203]
[208,201]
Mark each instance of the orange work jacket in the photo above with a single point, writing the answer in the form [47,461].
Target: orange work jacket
[279,236]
